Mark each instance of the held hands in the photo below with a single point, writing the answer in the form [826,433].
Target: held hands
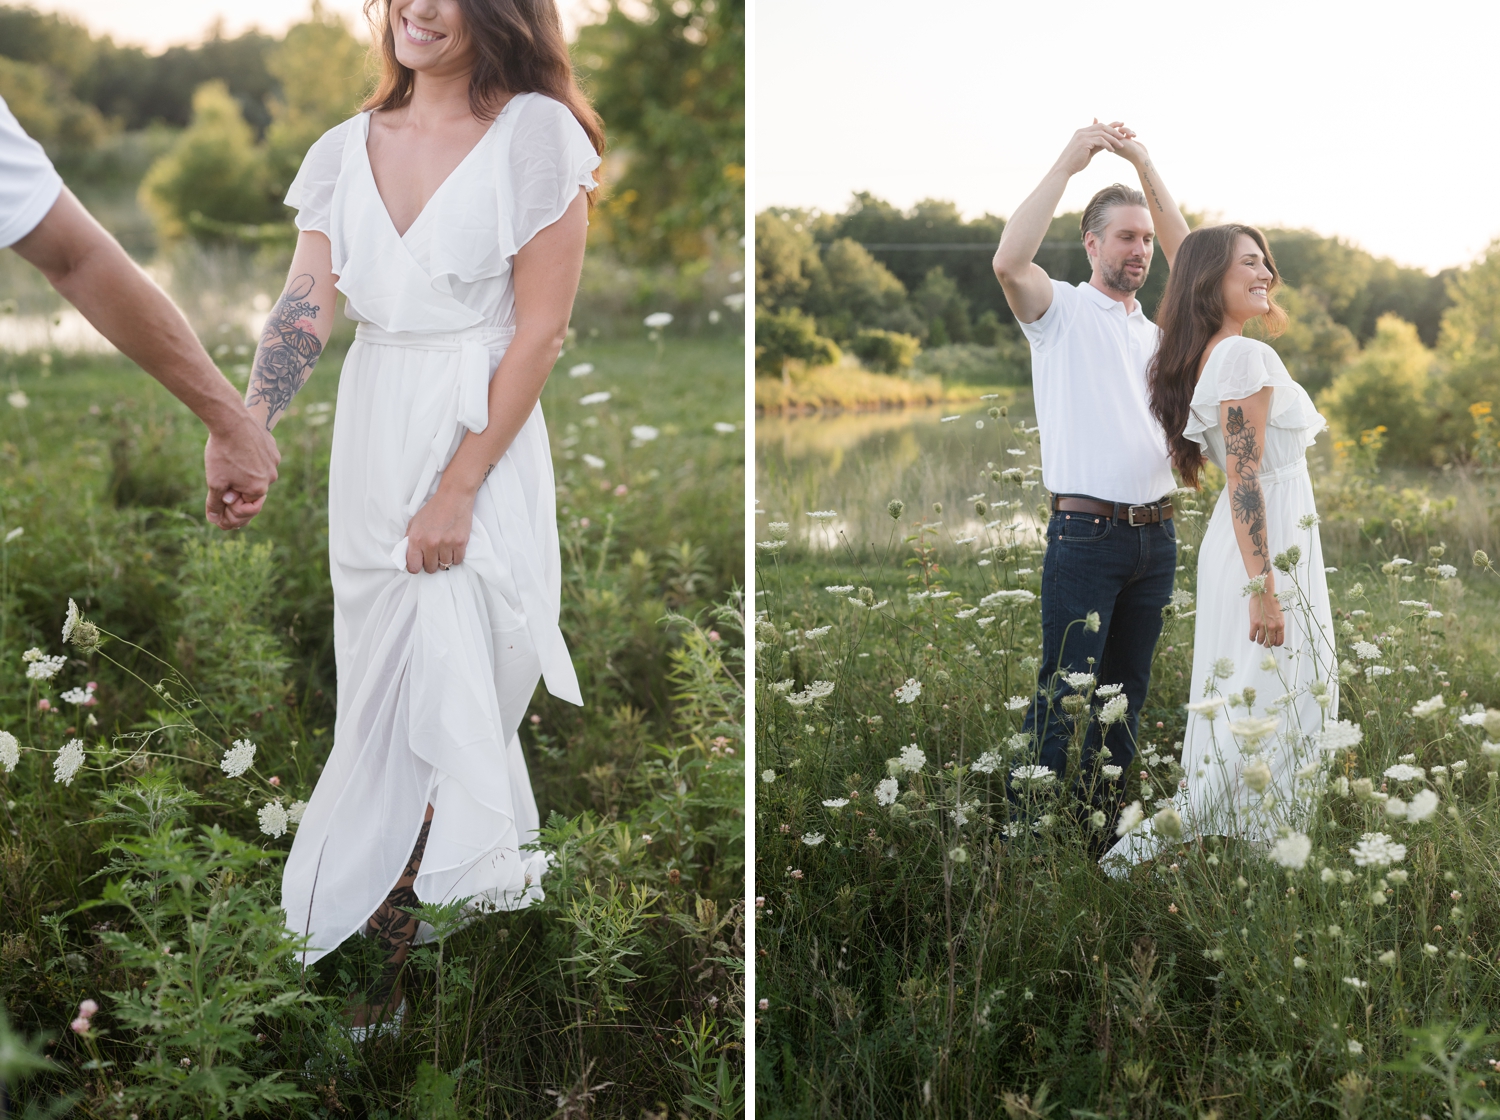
[1267,625]
[1113,137]
[438,535]
[239,464]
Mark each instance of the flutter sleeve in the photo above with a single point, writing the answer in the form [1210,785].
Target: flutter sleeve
[551,158]
[1247,368]
[311,192]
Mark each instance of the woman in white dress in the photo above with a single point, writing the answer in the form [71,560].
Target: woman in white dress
[1264,675]
[451,214]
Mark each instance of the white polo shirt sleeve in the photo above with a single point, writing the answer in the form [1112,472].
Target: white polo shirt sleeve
[29,184]
[1055,319]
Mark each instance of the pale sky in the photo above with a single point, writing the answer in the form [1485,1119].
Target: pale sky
[1373,120]
[157,24]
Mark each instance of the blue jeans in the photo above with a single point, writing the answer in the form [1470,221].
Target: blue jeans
[1124,573]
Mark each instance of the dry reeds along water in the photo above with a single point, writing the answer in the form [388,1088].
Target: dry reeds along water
[930,942]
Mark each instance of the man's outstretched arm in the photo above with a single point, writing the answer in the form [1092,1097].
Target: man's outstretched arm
[90,269]
[1028,289]
[1171,226]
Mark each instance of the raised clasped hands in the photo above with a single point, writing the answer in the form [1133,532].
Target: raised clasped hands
[438,536]
[1114,137]
[239,465]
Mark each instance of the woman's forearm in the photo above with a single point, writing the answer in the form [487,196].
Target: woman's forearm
[1243,447]
[514,390]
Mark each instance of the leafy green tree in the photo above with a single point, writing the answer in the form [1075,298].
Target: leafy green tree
[855,290]
[323,72]
[1314,347]
[937,300]
[786,262]
[669,80]
[1469,344]
[886,351]
[1387,384]
[50,114]
[214,170]
[789,335]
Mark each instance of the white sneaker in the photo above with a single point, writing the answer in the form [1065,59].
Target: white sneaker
[391,1025]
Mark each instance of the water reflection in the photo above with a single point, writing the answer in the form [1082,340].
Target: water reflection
[855,463]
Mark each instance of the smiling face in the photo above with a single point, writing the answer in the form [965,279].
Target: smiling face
[1247,283]
[430,36]
[1121,254]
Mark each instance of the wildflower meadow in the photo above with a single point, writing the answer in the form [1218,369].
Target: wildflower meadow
[935,936]
[167,696]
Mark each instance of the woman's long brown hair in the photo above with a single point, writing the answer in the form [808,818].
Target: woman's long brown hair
[1191,313]
[518,48]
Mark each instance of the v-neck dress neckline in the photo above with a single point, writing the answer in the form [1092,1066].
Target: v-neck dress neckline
[458,168]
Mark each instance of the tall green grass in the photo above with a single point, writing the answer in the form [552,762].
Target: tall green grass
[918,958]
[620,993]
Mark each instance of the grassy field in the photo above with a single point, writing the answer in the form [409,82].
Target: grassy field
[916,959]
[147,881]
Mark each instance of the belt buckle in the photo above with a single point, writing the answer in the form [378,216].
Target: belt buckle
[1130,516]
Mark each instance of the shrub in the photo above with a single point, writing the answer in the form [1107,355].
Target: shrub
[885,351]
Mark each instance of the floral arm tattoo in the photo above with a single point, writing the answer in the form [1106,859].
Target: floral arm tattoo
[287,352]
[1247,500]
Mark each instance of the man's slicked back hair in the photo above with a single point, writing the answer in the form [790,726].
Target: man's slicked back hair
[1096,213]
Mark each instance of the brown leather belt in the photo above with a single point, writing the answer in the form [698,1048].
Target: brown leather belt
[1149,514]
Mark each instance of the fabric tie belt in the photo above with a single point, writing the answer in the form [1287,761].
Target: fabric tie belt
[1148,513]
[1281,474]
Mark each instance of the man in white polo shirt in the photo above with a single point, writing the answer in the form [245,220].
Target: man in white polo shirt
[1111,543]
[42,221]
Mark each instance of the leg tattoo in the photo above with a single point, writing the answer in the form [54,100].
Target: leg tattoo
[392,925]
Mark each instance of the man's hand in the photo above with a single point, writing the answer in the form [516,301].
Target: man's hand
[239,462]
[1089,141]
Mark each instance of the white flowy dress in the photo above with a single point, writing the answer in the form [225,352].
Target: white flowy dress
[435,672]
[1296,684]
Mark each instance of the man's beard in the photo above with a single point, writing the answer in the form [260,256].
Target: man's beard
[1119,280]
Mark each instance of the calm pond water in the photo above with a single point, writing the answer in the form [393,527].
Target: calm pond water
[856,463]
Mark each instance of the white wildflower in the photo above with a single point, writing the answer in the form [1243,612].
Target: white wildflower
[909,691]
[10,751]
[1292,851]
[67,762]
[1167,822]
[658,319]
[886,791]
[987,763]
[835,803]
[295,811]
[768,776]
[840,588]
[1378,671]
[1422,806]
[1114,710]
[1357,984]
[1367,651]
[1251,731]
[1079,681]
[783,686]
[238,758]
[44,668]
[816,632]
[645,432]
[821,515]
[1208,707]
[593,461]
[582,369]
[1016,703]
[1402,772]
[724,428]
[1375,849]
[1257,774]
[1105,691]
[70,622]
[1017,595]
[1130,819]
[1429,707]
[273,818]
[812,839]
[912,758]
[1111,773]
[595,398]
[18,399]
[1340,735]
[1034,775]
[1446,571]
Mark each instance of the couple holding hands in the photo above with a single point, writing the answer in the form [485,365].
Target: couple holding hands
[1121,402]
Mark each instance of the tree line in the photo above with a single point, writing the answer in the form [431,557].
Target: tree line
[1377,343]
[668,79]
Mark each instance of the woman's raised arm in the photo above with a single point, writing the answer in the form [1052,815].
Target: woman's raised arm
[296,330]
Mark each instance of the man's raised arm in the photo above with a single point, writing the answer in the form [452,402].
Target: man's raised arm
[1028,289]
[89,268]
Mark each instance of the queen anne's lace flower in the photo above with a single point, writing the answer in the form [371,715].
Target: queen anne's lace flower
[912,758]
[1016,703]
[909,691]
[238,758]
[295,810]
[1292,851]
[886,791]
[273,818]
[1130,819]
[1402,772]
[1114,710]
[1422,806]
[41,667]
[835,803]
[1340,735]
[1376,849]
[10,751]
[1367,651]
[65,766]
[1034,775]
[1429,707]
[812,839]
[1079,681]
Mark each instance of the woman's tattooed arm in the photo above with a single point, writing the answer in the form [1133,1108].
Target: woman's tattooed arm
[288,350]
[1247,500]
